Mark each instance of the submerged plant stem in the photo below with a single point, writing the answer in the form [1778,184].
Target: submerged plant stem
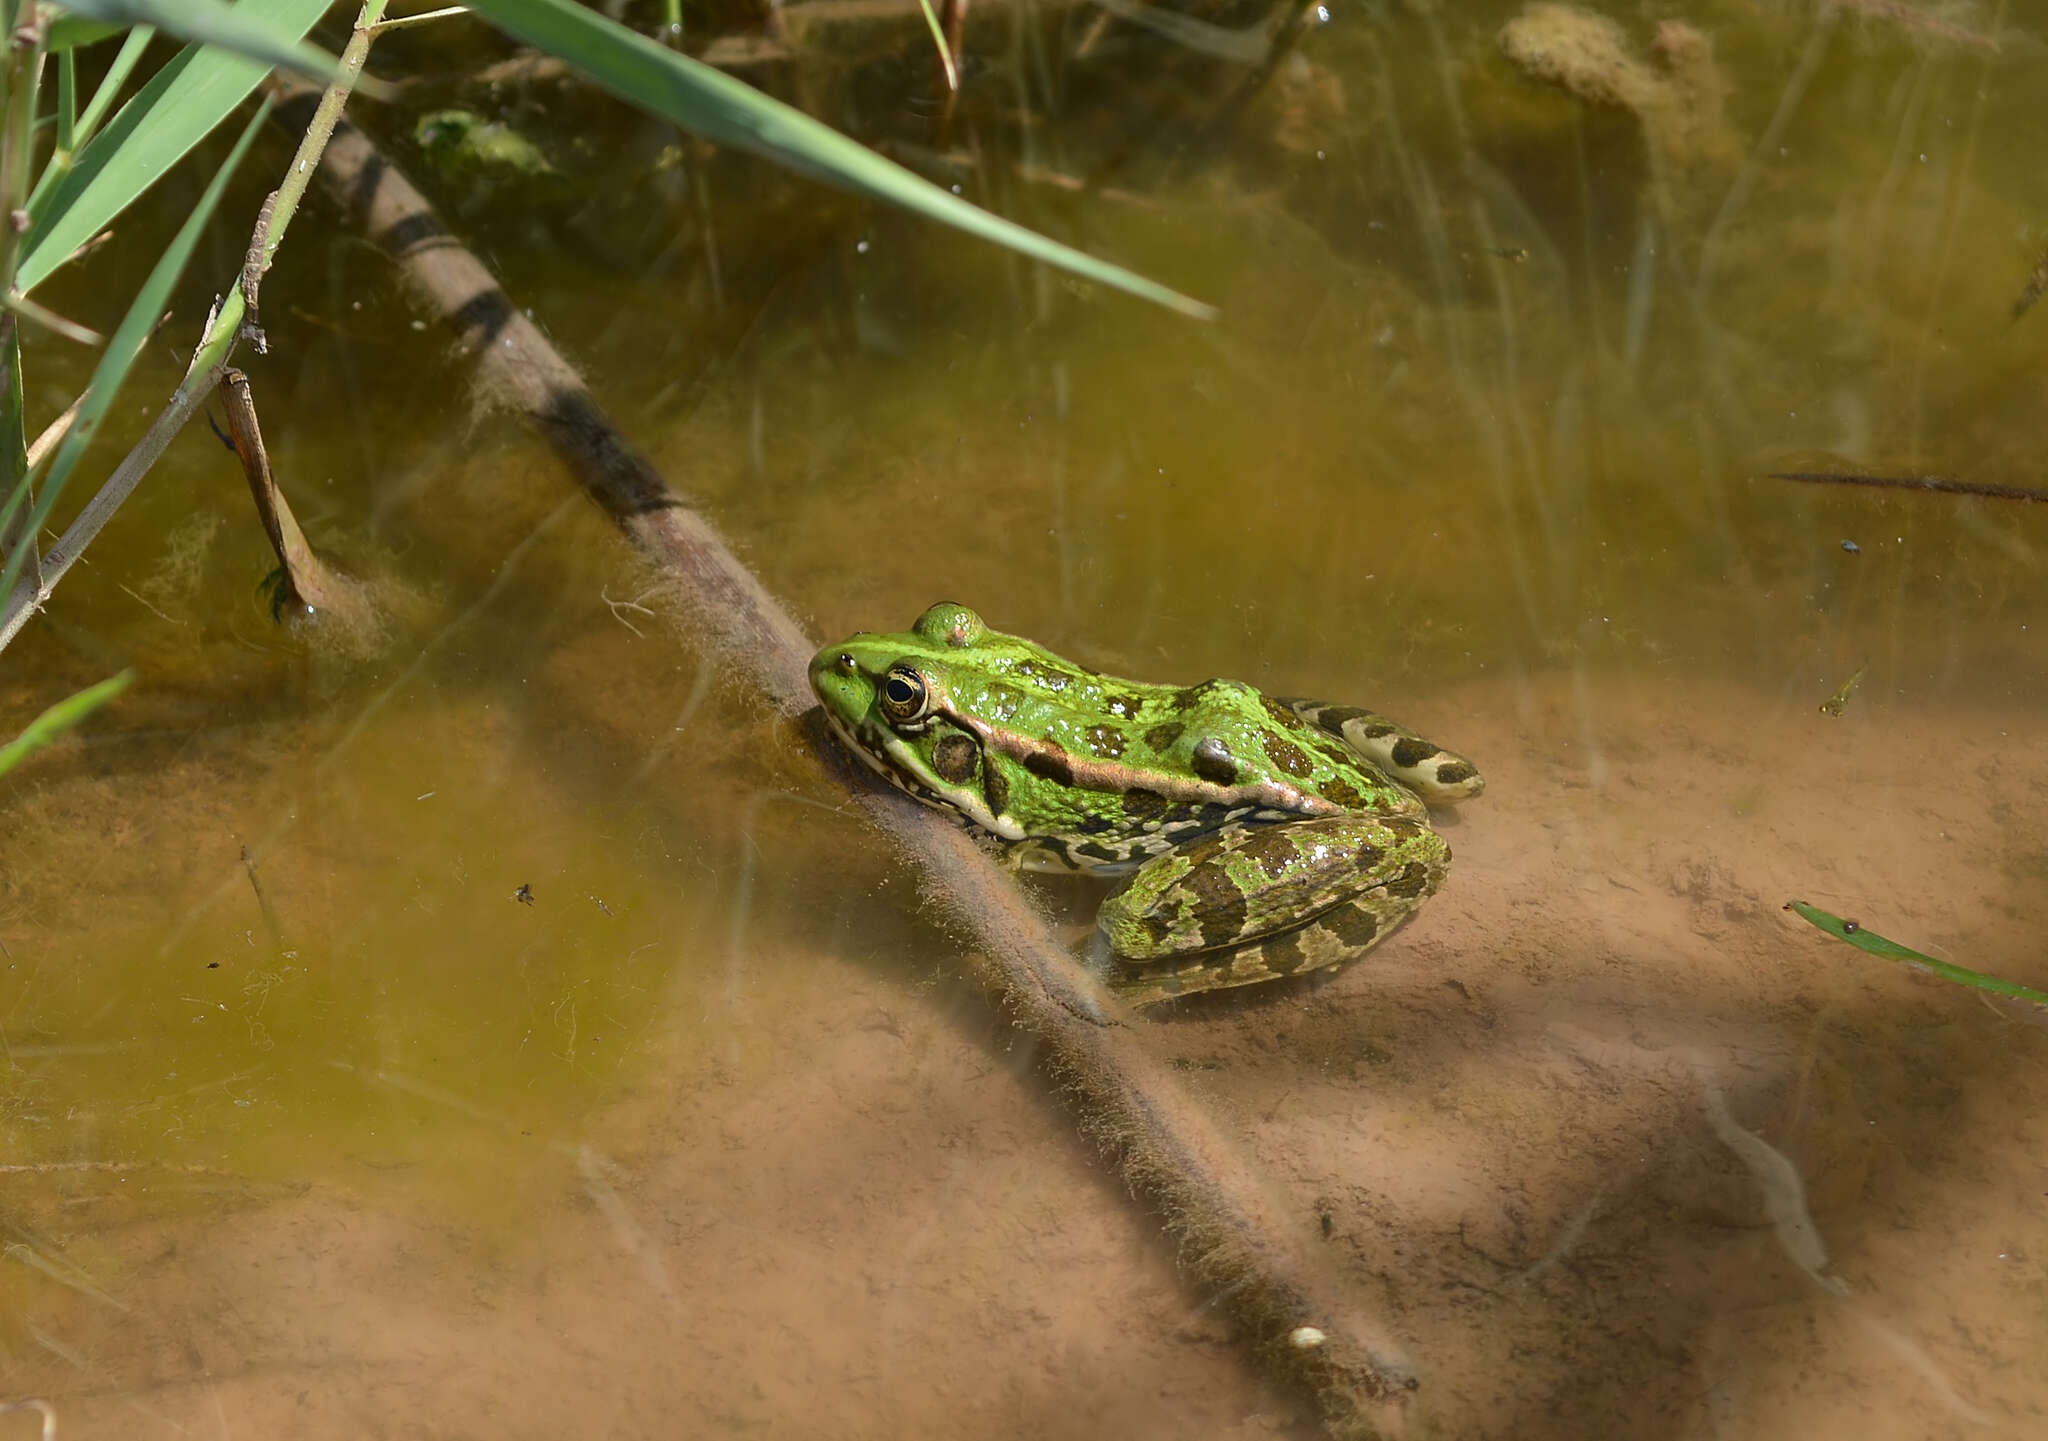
[1937,483]
[1236,1238]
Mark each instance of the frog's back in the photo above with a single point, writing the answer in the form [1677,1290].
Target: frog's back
[1231,733]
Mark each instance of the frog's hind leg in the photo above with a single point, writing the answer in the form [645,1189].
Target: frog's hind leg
[1399,864]
[1331,939]
[1439,776]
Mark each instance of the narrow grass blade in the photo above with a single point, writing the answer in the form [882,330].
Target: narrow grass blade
[13,416]
[110,84]
[931,23]
[236,28]
[126,344]
[175,110]
[67,101]
[730,112]
[60,718]
[13,441]
[1876,945]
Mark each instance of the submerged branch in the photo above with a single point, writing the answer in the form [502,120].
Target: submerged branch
[1238,1241]
[1940,484]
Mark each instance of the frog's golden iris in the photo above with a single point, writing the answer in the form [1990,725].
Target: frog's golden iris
[1263,837]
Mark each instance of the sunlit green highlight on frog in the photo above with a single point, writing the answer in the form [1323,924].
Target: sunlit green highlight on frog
[1263,837]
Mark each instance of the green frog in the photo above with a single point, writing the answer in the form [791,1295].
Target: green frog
[1261,837]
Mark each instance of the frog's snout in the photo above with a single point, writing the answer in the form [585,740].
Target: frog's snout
[837,682]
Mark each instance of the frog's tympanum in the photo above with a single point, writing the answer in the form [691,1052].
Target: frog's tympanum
[1262,837]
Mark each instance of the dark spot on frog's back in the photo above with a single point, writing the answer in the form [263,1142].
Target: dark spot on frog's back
[1050,764]
[1452,773]
[996,787]
[1271,849]
[1288,756]
[1281,715]
[1411,751]
[1105,741]
[955,758]
[1343,793]
[1214,763]
[1194,695]
[1162,736]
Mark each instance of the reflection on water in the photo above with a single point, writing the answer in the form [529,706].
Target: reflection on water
[508,1034]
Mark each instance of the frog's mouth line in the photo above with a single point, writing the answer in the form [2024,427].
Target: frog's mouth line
[905,771]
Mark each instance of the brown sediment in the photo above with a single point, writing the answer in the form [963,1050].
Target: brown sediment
[1239,1245]
[1677,93]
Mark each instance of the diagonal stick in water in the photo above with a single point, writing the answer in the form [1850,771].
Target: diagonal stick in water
[1234,1233]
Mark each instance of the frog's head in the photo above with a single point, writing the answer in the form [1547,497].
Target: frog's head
[893,681]
[889,696]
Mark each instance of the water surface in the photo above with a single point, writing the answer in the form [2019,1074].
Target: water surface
[315,1127]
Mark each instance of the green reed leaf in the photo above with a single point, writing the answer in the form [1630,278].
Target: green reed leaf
[1854,933]
[60,718]
[730,112]
[178,107]
[240,29]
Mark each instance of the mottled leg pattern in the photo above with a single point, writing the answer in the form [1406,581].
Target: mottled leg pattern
[1439,776]
[1342,933]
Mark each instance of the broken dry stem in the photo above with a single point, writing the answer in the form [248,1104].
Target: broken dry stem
[1245,1247]
[308,581]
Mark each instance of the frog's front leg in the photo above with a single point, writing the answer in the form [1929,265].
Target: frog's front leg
[1267,901]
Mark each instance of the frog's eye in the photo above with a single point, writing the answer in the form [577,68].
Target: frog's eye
[905,696]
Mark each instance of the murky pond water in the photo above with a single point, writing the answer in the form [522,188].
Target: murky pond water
[499,1025]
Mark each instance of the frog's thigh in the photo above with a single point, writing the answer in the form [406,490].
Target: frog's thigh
[1236,887]
[1340,934]
[1437,775]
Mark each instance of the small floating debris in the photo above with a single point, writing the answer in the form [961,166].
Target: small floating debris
[1305,1338]
[1852,547]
